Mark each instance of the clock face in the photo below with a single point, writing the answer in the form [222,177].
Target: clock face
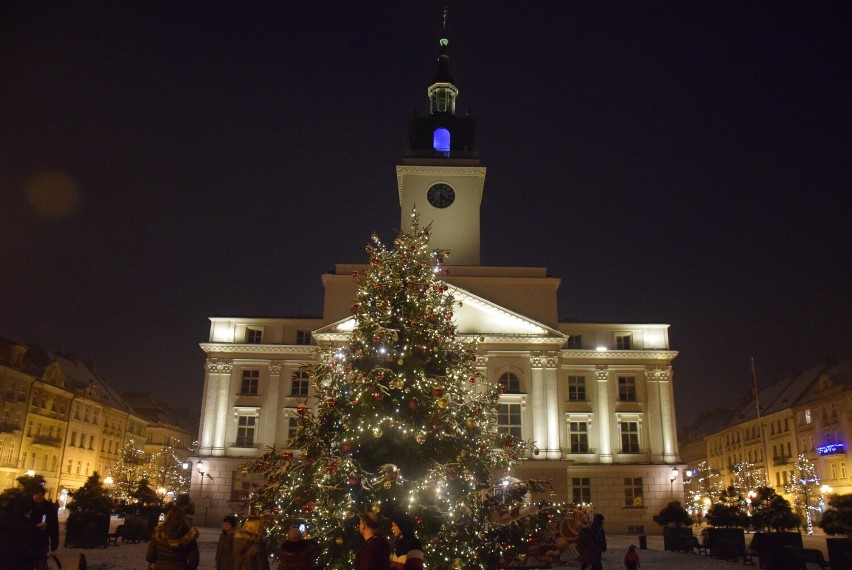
[441,195]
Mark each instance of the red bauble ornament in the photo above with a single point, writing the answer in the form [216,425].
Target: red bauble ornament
[437,392]
[309,507]
[331,402]
[536,451]
[436,426]
[287,456]
[452,475]
[378,395]
[301,409]
[418,519]
[353,480]
[413,404]
[346,447]
[331,467]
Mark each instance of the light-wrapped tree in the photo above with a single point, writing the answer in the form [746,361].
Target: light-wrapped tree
[402,421]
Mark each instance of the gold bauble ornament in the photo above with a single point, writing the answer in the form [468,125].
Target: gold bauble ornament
[387,484]
[470,422]
[419,438]
[338,541]
[376,507]
[442,403]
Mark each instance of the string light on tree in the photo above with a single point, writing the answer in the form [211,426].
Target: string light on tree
[399,419]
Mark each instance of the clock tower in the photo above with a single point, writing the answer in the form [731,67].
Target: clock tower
[440,174]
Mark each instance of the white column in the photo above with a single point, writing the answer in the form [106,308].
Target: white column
[208,406]
[654,426]
[551,380]
[538,411]
[223,392]
[668,416]
[269,416]
[603,414]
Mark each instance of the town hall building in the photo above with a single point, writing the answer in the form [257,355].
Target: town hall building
[596,398]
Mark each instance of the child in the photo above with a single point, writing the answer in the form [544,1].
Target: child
[631,559]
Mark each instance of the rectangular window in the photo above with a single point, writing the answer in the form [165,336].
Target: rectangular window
[807,415]
[629,437]
[254,336]
[834,470]
[579,432]
[292,428]
[575,341]
[627,388]
[79,466]
[250,381]
[633,492]
[581,491]
[245,431]
[509,419]
[299,384]
[843,470]
[577,388]
[303,337]
[622,341]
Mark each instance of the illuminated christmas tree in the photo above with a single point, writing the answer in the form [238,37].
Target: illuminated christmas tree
[804,487]
[402,421]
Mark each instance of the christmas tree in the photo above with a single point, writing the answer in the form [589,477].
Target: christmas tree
[402,421]
[804,487]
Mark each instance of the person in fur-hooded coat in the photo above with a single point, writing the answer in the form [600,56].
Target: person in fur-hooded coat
[174,544]
[249,550]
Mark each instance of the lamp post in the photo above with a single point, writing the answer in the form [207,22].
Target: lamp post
[672,478]
[200,467]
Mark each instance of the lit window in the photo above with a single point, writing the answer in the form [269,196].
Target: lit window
[250,381]
[299,384]
[245,431]
[834,470]
[622,342]
[292,428]
[509,419]
[808,416]
[627,388]
[303,337]
[510,383]
[629,437]
[633,492]
[579,435]
[581,490]
[441,140]
[577,388]
[254,336]
[843,470]
[575,341]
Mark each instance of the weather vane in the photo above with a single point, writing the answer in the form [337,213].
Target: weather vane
[446,8]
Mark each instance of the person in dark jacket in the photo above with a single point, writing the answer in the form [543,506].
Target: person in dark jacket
[174,544]
[43,524]
[408,551]
[591,544]
[249,550]
[225,548]
[374,554]
[297,552]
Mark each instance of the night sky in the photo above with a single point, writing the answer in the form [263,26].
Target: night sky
[676,162]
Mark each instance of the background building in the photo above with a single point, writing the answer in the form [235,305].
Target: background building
[805,413]
[59,419]
[596,398]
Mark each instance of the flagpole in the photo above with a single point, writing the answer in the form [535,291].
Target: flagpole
[760,423]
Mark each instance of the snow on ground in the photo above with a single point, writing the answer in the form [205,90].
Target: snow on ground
[130,556]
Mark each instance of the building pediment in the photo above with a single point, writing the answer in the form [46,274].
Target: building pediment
[473,316]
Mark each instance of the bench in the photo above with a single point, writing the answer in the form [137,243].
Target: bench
[732,551]
[698,547]
[799,558]
[114,536]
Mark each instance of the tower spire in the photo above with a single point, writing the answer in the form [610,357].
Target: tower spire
[443,92]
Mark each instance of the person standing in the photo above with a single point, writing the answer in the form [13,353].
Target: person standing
[44,522]
[591,544]
[375,553]
[174,544]
[631,559]
[297,552]
[408,550]
[225,548]
[249,549]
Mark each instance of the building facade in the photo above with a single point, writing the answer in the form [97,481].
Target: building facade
[807,413]
[60,420]
[596,398]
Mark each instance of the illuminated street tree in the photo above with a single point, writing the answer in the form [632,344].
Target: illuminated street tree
[748,478]
[402,422]
[701,486]
[130,468]
[165,471]
[805,490]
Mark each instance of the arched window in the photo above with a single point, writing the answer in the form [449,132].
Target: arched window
[510,383]
[441,140]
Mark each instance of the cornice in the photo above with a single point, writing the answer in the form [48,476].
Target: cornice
[220,348]
[477,171]
[619,354]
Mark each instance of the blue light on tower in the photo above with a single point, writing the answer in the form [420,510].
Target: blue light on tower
[441,140]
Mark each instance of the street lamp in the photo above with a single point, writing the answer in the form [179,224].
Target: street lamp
[672,478]
[200,467]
